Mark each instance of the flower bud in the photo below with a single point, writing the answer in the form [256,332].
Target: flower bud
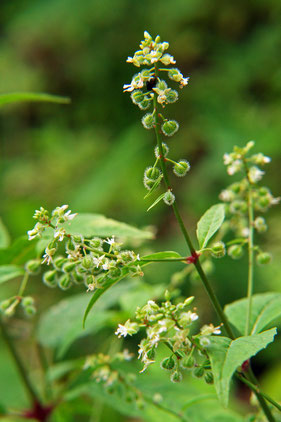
[137,96]
[176,376]
[27,301]
[263,258]
[96,243]
[64,282]
[168,363]
[87,262]
[188,362]
[148,183]
[114,272]
[175,75]
[152,173]
[5,304]
[77,277]
[165,149]
[33,266]
[69,266]
[144,104]
[30,310]
[169,198]
[148,121]
[218,250]
[209,378]
[181,168]
[167,295]
[170,127]
[260,224]
[172,96]
[50,278]
[235,251]
[59,261]
[198,372]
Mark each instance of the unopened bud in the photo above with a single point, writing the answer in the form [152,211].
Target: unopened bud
[64,282]
[263,258]
[176,376]
[218,250]
[198,372]
[235,251]
[33,266]
[168,363]
[169,198]
[50,278]
[170,127]
[181,168]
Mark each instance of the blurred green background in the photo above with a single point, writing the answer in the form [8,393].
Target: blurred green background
[91,154]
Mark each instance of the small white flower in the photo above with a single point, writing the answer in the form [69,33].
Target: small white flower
[226,195]
[36,231]
[110,241]
[121,331]
[59,234]
[98,261]
[227,159]
[184,82]
[68,216]
[255,174]
[129,328]
[91,287]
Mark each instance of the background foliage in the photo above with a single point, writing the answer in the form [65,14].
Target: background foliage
[91,154]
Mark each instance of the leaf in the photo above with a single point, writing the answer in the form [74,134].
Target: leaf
[159,256]
[19,252]
[156,201]
[98,225]
[154,186]
[8,272]
[209,223]
[226,355]
[19,97]
[99,292]
[266,308]
[60,325]
[4,235]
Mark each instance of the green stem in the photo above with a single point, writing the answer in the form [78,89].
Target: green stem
[250,258]
[23,372]
[254,388]
[198,266]
[23,284]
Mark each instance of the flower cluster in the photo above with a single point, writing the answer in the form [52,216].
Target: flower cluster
[148,89]
[245,194]
[173,326]
[90,261]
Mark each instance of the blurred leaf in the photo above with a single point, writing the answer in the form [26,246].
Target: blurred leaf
[3,410]
[8,272]
[4,235]
[19,97]
[156,201]
[266,308]
[226,355]
[98,225]
[161,255]
[209,223]
[19,252]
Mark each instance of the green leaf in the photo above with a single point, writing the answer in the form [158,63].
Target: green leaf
[155,186]
[209,223]
[4,235]
[266,308]
[227,355]
[98,225]
[8,272]
[156,201]
[19,97]
[99,292]
[161,256]
[60,325]
[19,252]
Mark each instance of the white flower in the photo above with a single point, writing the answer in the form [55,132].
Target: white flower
[129,328]
[110,241]
[184,82]
[68,216]
[59,234]
[36,231]
[227,159]
[91,287]
[255,174]
[98,261]
[226,195]
[234,167]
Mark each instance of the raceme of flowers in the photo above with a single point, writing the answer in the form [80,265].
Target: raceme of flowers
[173,326]
[236,198]
[149,89]
[90,261]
